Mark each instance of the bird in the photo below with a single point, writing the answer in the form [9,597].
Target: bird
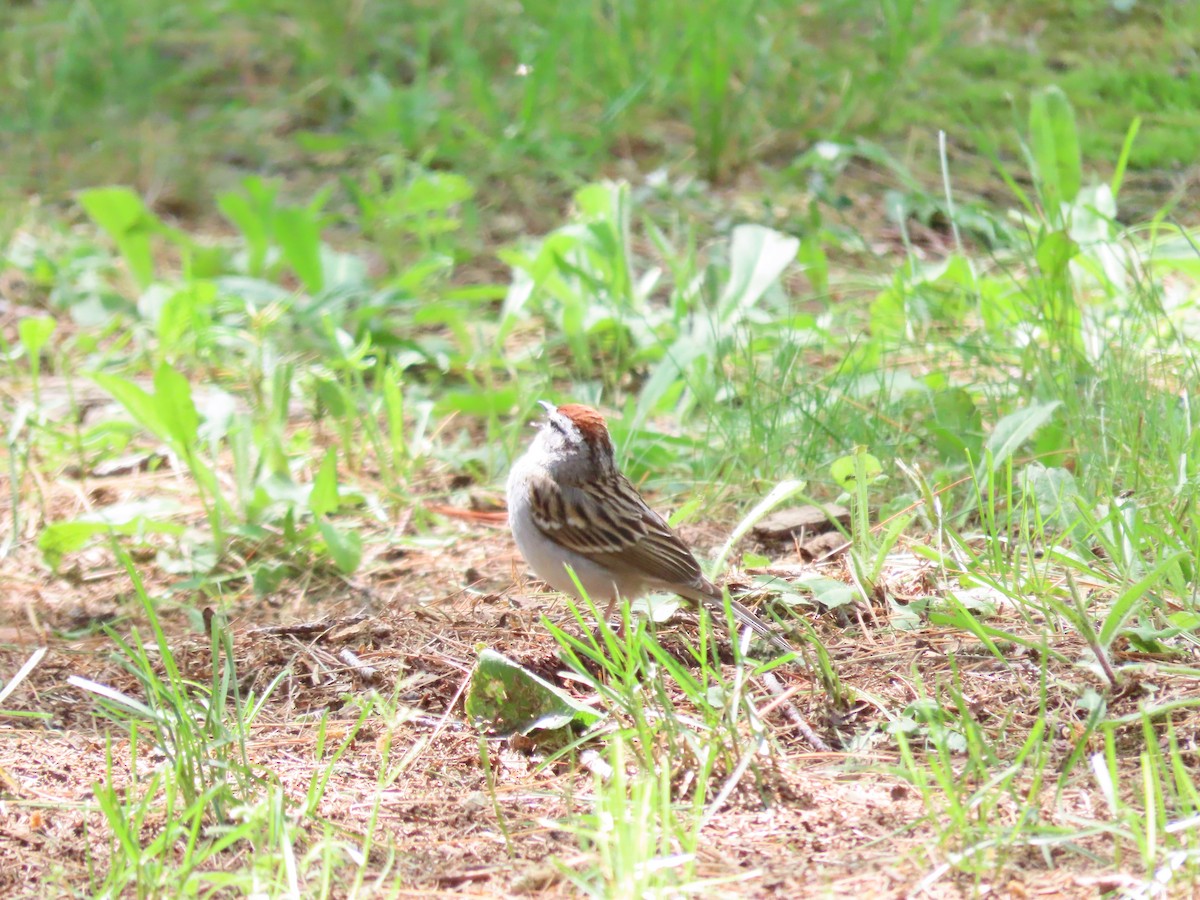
[569,505]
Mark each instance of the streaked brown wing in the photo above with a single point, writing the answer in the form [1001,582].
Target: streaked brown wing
[607,522]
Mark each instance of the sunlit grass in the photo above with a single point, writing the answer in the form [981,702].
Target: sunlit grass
[184,100]
[1006,409]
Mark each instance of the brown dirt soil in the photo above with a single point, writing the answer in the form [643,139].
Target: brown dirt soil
[801,823]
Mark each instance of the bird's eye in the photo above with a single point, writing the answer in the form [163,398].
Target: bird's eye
[557,426]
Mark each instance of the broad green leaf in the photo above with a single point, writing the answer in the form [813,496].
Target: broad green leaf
[686,510]
[342,271]
[298,233]
[184,314]
[842,469]
[324,497]
[1014,430]
[902,617]
[1053,490]
[508,699]
[757,257]
[121,213]
[334,397]
[829,592]
[888,312]
[435,192]
[279,488]
[1055,145]
[520,289]
[482,402]
[345,547]
[1051,440]
[255,230]
[657,607]
[666,375]
[957,429]
[115,209]
[176,409]
[1054,251]
[1185,620]
[953,271]
[133,518]
[137,402]
[202,262]
[33,333]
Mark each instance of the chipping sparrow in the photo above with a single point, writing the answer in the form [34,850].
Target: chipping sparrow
[569,505]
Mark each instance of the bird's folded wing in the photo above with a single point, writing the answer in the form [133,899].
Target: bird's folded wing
[608,523]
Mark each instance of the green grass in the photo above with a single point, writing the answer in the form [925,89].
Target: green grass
[185,100]
[1001,391]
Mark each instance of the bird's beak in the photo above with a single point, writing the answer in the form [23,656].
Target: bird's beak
[547,406]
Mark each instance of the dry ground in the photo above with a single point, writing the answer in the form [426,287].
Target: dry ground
[803,823]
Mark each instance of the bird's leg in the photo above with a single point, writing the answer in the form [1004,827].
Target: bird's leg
[612,604]
[605,620]
[608,613]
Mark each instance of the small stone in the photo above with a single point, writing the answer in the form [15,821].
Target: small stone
[783,524]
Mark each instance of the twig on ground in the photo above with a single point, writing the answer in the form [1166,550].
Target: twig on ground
[783,701]
[369,674]
[309,629]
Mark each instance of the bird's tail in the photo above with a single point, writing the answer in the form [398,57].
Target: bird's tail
[714,601]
